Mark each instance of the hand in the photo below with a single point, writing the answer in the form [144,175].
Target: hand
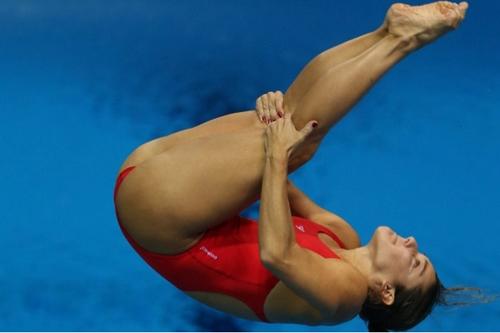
[269,107]
[281,136]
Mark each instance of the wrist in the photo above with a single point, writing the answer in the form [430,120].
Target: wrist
[277,155]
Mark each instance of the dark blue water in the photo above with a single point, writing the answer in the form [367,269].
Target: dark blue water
[84,82]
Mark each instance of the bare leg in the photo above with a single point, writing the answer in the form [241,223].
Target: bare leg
[397,22]
[333,94]
[406,22]
[328,59]
[196,185]
[313,71]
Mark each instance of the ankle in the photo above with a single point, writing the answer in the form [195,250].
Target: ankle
[402,44]
[382,31]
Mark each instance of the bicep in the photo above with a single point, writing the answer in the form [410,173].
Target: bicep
[338,225]
[327,284]
[302,205]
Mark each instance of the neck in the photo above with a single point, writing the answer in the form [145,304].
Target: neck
[360,258]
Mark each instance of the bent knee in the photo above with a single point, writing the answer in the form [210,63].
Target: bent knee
[305,152]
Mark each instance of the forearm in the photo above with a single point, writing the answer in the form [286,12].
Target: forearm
[276,234]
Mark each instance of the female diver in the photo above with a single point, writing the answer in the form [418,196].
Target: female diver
[178,198]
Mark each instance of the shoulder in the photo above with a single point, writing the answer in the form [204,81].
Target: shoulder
[351,293]
[334,287]
[339,226]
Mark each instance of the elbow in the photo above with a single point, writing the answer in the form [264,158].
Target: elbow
[268,259]
[273,260]
[272,263]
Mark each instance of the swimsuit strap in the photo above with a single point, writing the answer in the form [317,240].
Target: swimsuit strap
[121,177]
[331,234]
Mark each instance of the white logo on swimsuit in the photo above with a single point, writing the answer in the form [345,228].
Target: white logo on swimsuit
[300,227]
[209,253]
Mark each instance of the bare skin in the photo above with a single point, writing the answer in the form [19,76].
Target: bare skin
[193,180]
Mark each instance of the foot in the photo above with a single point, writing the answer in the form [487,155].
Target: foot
[420,25]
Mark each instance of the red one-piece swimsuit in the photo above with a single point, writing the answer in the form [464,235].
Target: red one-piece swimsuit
[226,259]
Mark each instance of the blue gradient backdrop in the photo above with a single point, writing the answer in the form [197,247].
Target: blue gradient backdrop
[84,82]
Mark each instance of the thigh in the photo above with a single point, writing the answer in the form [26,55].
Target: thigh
[193,186]
[206,177]
[230,123]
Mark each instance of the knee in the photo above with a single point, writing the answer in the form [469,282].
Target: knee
[303,154]
[310,149]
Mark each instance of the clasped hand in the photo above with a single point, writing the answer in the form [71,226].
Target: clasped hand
[281,136]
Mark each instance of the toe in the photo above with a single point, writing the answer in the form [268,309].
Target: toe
[463,6]
[445,8]
[399,6]
[460,12]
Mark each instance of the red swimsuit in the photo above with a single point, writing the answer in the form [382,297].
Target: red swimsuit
[226,259]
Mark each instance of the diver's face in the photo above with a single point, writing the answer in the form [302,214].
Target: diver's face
[400,261]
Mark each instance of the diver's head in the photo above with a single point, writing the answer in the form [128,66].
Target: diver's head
[403,286]
[396,261]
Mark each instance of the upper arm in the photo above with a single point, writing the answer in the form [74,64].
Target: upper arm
[302,205]
[332,286]
[339,226]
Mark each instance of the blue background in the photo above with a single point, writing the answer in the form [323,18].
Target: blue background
[82,83]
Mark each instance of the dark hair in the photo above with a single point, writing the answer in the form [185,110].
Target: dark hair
[410,307]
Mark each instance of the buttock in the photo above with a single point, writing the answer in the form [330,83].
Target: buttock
[189,243]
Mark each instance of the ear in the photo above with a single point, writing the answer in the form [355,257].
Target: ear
[387,293]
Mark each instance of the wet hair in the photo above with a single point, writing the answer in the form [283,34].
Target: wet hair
[410,307]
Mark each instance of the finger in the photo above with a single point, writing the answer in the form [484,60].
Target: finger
[279,103]
[258,108]
[265,105]
[286,121]
[273,115]
[287,118]
[309,128]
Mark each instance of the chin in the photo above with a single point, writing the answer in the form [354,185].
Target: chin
[383,233]
[382,245]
